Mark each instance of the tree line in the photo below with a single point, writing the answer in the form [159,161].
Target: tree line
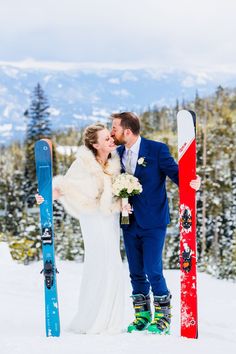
[216,200]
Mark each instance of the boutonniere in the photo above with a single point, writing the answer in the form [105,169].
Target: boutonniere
[142,162]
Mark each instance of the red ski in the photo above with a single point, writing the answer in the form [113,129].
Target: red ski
[186,122]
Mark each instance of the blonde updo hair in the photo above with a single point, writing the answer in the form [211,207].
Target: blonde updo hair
[90,136]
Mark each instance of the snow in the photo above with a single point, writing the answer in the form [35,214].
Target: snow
[122,93]
[22,315]
[5,127]
[128,76]
[66,150]
[54,111]
[101,112]
[114,81]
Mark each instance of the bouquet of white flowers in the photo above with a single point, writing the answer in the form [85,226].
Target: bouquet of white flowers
[124,186]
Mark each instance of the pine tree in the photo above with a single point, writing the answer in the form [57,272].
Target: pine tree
[218,185]
[38,127]
[11,198]
[3,194]
[147,123]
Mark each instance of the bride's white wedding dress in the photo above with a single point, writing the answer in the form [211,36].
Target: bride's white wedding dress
[86,194]
[101,298]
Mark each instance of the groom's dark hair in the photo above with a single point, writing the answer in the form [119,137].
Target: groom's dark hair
[128,120]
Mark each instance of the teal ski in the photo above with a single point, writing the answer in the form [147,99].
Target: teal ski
[43,160]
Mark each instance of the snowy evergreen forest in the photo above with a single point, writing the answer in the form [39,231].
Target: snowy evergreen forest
[216,200]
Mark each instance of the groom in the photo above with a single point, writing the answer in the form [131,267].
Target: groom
[144,237]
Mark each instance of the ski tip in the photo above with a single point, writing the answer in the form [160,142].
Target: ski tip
[49,142]
[42,142]
[182,112]
[187,114]
[193,114]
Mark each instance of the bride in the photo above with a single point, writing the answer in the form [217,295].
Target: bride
[86,193]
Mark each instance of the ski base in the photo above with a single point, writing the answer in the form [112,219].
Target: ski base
[186,121]
[43,159]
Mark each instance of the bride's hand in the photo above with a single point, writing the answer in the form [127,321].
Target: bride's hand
[128,208]
[39,199]
[56,193]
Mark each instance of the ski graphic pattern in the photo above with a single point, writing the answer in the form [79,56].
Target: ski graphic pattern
[43,160]
[186,122]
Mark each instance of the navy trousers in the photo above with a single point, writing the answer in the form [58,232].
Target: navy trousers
[144,252]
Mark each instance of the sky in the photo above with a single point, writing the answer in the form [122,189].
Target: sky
[173,34]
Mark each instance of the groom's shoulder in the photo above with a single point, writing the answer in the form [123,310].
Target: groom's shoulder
[155,145]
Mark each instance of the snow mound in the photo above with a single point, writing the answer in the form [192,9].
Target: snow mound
[5,256]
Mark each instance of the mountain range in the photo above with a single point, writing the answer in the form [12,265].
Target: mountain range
[79,95]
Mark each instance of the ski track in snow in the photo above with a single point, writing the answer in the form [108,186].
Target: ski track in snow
[22,328]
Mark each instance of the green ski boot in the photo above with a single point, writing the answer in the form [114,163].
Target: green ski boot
[162,317]
[143,314]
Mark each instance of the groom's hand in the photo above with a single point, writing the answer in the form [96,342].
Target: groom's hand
[196,183]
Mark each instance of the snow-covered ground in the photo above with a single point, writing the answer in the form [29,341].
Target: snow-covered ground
[22,315]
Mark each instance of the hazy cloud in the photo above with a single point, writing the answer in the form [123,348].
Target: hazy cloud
[179,34]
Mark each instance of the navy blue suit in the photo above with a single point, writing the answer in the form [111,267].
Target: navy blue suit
[144,237]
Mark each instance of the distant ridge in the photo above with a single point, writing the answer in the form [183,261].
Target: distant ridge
[80,93]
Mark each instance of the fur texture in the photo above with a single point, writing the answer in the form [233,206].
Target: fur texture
[86,187]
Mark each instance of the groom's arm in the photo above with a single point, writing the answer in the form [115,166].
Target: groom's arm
[168,165]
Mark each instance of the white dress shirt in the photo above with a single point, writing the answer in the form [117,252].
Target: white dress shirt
[134,154]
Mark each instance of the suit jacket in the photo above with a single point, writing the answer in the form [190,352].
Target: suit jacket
[151,208]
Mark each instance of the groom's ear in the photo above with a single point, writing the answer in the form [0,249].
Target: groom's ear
[127,132]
